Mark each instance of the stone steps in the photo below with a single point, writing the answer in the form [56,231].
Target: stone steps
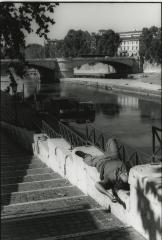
[18,160]
[30,171]
[60,224]
[47,206]
[37,203]
[22,166]
[29,178]
[39,195]
[54,183]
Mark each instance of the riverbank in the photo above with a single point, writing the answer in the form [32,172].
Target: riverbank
[149,85]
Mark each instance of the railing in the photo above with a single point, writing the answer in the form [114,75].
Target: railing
[156,144]
[46,128]
[128,155]
[97,139]
[71,136]
[58,129]
[131,156]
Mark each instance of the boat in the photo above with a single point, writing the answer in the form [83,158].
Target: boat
[71,109]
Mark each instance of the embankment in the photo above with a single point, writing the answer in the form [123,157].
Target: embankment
[140,85]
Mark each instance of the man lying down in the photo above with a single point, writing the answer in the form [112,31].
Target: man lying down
[113,173]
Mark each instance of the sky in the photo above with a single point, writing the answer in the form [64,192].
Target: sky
[95,16]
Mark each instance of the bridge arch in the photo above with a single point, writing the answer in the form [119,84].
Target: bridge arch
[121,64]
[119,67]
[47,74]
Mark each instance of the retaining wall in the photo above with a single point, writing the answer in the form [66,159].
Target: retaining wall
[151,67]
[57,155]
[117,86]
[21,136]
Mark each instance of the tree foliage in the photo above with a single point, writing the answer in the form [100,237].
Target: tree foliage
[76,43]
[108,43]
[150,44]
[16,20]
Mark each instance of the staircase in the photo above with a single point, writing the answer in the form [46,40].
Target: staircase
[37,203]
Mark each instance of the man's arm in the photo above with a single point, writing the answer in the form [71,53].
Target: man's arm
[101,187]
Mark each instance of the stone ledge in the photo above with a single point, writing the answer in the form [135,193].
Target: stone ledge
[65,162]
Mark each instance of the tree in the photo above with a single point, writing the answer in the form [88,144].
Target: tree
[16,20]
[108,43]
[150,44]
[33,51]
[76,43]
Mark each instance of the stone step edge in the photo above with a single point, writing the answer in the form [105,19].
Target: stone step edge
[26,166]
[28,182]
[16,160]
[13,156]
[37,190]
[25,183]
[30,175]
[19,171]
[48,213]
[41,201]
[12,163]
[86,233]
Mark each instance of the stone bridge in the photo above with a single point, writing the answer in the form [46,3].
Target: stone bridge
[121,64]
[64,67]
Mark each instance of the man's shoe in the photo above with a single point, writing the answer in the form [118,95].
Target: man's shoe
[81,154]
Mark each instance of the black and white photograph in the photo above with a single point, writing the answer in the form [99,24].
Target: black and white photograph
[81,120]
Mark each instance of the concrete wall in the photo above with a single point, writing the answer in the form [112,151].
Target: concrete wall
[57,155]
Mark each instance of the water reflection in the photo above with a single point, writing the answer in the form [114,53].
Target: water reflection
[128,101]
[127,117]
[149,110]
[109,109]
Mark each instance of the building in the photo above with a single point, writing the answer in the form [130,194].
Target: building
[130,42]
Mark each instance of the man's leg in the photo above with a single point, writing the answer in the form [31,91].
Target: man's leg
[112,149]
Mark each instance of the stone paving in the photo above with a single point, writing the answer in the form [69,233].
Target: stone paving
[39,204]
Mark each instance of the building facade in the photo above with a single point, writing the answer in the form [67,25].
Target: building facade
[130,43]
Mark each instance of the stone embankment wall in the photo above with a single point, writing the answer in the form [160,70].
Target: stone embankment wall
[136,87]
[143,203]
[151,67]
[96,69]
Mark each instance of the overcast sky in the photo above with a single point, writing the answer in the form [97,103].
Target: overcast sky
[95,16]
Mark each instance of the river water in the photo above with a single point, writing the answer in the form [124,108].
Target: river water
[124,116]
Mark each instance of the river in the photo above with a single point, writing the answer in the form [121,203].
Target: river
[126,117]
